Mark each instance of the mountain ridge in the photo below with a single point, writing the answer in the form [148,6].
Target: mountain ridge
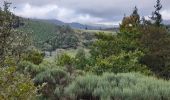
[76,25]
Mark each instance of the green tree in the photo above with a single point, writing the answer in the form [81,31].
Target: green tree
[157,58]
[123,63]
[13,42]
[80,59]
[117,53]
[155,40]
[108,44]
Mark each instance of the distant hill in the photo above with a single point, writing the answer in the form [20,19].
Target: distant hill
[56,22]
[49,36]
[40,31]
[166,22]
[75,25]
[82,26]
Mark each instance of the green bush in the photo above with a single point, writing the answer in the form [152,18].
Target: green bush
[16,86]
[28,67]
[52,76]
[127,86]
[67,62]
[108,44]
[64,59]
[34,56]
[54,80]
[122,63]
[80,59]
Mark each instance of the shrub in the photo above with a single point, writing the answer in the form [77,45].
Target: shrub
[28,67]
[127,86]
[82,87]
[66,61]
[55,80]
[15,86]
[80,59]
[122,63]
[34,56]
[52,76]
[88,36]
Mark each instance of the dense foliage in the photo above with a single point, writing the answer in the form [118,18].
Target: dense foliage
[16,86]
[122,63]
[157,41]
[13,44]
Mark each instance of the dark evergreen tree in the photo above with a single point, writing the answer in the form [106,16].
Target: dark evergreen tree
[136,16]
[156,16]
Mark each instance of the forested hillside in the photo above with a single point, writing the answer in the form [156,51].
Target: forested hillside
[50,37]
[132,63]
[61,36]
[44,32]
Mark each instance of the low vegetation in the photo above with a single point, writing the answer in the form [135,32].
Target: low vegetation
[118,87]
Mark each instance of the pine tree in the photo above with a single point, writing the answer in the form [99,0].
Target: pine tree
[156,16]
[135,11]
[136,16]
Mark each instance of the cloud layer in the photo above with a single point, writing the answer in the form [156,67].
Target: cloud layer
[86,11]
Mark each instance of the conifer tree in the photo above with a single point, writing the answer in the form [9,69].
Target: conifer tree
[156,16]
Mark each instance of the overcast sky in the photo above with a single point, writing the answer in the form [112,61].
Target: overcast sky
[86,11]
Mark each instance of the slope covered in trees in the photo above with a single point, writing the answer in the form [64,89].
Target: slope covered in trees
[49,37]
[44,33]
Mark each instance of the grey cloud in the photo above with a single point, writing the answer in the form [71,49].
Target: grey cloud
[108,10]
